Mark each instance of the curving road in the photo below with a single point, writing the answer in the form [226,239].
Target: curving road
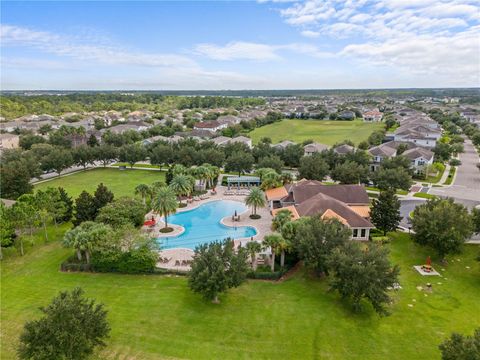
[466,185]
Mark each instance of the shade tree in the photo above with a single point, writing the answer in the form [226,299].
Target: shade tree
[443,225]
[359,274]
[71,327]
[216,267]
[385,211]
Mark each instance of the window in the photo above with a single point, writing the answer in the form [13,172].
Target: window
[364,232]
[355,233]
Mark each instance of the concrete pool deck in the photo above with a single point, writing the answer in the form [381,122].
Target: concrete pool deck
[179,258]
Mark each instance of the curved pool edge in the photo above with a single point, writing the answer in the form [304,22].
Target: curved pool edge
[223,222]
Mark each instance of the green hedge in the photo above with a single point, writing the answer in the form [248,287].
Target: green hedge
[137,261]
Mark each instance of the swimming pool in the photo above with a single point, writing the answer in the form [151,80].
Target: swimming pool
[202,225]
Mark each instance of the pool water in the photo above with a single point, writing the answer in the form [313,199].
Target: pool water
[202,225]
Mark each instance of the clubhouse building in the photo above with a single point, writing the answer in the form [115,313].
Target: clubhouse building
[347,203]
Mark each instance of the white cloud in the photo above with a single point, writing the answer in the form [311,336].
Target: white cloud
[310,33]
[239,50]
[432,37]
[453,57]
[70,47]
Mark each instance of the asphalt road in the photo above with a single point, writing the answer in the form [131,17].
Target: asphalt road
[467,181]
[407,206]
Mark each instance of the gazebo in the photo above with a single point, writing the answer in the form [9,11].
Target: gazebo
[242,181]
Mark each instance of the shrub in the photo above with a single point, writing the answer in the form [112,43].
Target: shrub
[455,162]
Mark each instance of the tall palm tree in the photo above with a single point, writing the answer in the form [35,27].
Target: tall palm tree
[165,203]
[201,173]
[255,199]
[281,218]
[181,185]
[283,246]
[253,248]
[273,241]
[143,190]
[271,180]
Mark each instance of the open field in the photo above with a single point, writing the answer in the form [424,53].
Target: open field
[155,316]
[322,131]
[121,182]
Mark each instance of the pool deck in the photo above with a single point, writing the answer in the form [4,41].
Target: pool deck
[179,258]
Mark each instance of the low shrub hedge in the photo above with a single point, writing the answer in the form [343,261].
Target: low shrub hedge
[137,261]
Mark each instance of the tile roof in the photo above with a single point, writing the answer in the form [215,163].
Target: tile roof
[320,203]
[276,194]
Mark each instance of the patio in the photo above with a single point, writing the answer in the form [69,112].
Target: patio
[179,258]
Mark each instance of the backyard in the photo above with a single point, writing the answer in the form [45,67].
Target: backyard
[154,316]
[322,131]
[120,182]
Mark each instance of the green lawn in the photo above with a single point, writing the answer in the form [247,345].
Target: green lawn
[322,131]
[157,317]
[121,182]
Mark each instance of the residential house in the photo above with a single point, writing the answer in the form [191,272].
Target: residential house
[229,120]
[372,116]
[347,203]
[420,158]
[212,126]
[346,115]
[223,140]
[344,149]
[385,151]
[313,148]
[283,145]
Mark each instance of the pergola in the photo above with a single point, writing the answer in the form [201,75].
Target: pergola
[242,181]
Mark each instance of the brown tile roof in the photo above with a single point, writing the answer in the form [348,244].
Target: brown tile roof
[320,203]
[349,194]
[363,211]
[276,194]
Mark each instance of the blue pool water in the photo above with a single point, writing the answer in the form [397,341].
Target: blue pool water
[202,225]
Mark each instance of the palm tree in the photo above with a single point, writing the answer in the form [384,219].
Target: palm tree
[181,185]
[201,173]
[271,180]
[287,178]
[165,203]
[282,217]
[283,246]
[253,248]
[255,199]
[143,190]
[273,242]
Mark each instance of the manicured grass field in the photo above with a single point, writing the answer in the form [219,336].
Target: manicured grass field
[157,317]
[121,182]
[322,131]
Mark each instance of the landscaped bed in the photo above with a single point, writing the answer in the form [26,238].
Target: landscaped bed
[157,316]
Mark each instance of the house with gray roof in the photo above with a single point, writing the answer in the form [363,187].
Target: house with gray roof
[283,145]
[344,149]
[314,148]
[420,158]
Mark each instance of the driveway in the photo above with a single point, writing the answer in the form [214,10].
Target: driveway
[467,180]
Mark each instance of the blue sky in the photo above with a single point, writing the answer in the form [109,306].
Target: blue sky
[277,44]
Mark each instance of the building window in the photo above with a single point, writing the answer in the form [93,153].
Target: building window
[355,233]
[364,232]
